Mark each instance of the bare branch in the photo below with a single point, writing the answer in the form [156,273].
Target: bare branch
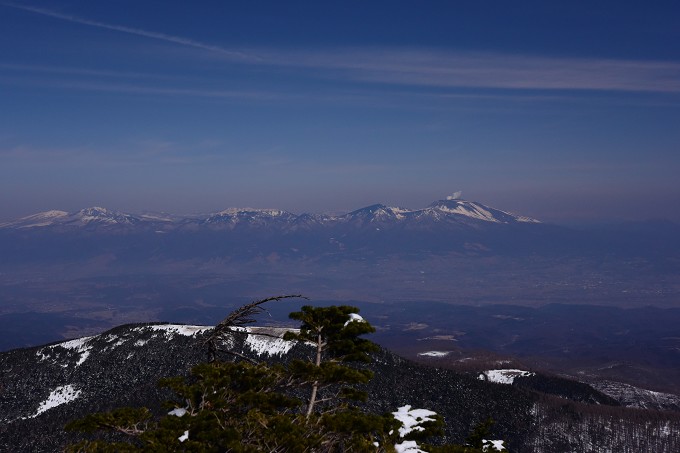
[238,318]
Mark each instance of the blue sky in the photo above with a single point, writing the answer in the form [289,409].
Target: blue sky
[565,111]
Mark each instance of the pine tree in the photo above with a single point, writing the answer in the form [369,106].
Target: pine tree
[334,333]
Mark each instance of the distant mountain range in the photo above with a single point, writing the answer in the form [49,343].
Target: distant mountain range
[453,250]
[449,212]
[449,225]
[246,234]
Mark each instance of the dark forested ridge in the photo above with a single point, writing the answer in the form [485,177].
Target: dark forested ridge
[44,387]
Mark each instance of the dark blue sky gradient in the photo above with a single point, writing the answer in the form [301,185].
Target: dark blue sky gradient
[565,111]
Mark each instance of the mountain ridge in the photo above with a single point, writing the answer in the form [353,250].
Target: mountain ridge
[453,210]
[46,386]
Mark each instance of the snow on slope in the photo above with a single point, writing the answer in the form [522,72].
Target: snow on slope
[84,217]
[267,344]
[631,396]
[261,340]
[234,216]
[176,329]
[79,346]
[61,395]
[104,216]
[473,210]
[470,210]
[497,444]
[264,212]
[36,220]
[439,210]
[503,376]
[434,353]
[72,354]
[79,349]
[412,418]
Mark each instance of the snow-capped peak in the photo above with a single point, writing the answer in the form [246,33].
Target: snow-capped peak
[477,211]
[233,211]
[36,220]
[95,210]
[102,215]
[467,209]
[377,212]
[253,216]
[52,214]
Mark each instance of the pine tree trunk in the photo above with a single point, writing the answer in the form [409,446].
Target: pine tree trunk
[315,385]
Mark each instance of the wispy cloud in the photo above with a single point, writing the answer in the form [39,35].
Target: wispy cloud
[135,31]
[123,88]
[488,70]
[212,94]
[73,71]
[432,68]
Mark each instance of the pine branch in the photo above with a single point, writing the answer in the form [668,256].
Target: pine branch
[237,354]
[244,315]
[238,318]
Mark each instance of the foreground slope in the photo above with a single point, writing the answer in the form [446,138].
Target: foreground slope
[47,386]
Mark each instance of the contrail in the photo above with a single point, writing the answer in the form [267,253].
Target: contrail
[135,31]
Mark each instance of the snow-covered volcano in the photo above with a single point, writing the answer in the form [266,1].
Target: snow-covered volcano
[85,217]
[474,211]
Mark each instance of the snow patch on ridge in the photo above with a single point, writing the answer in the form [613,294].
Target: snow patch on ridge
[434,353]
[83,346]
[231,211]
[266,344]
[79,345]
[61,395]
[503,376]
[176,329]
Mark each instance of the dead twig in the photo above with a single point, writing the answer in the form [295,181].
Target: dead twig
[239,318]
